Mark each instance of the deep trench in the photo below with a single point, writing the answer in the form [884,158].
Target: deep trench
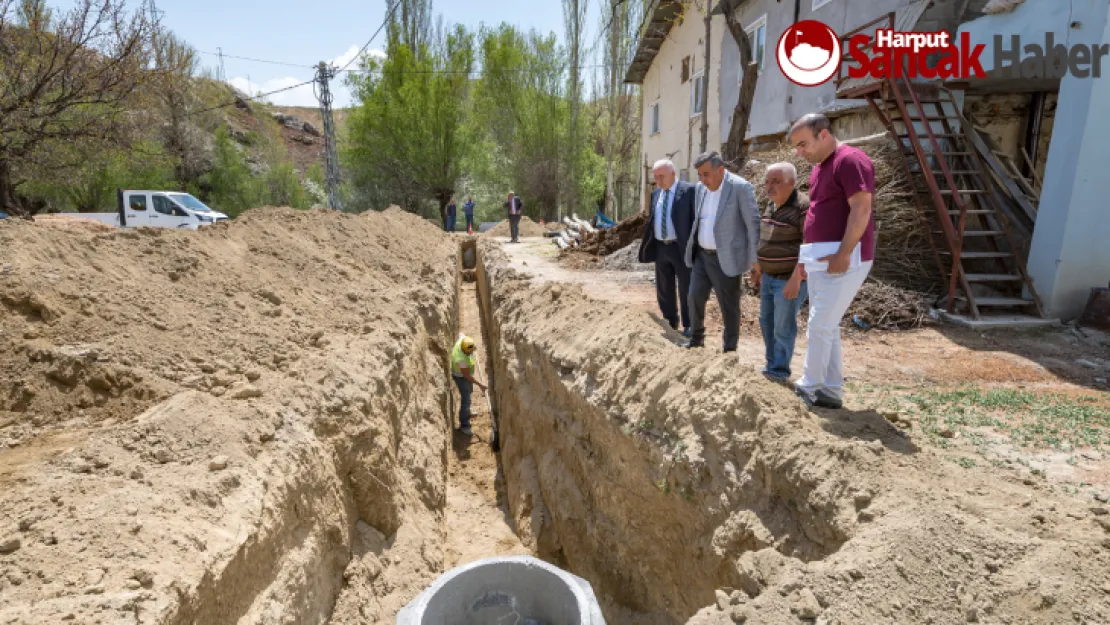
[632,541]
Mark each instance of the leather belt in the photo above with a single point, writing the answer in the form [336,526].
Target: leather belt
[707,251]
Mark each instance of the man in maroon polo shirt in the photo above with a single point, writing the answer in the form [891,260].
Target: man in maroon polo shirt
[841,229]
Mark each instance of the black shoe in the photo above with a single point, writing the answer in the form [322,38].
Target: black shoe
[825,400]
[693,344]
[466,431]
[806,397]
[728,349]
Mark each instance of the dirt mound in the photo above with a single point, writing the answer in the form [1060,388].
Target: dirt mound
[528,228]
[674,480]
[605,242]
[73,221]
[191,421]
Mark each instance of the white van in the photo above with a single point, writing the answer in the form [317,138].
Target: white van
[158,209]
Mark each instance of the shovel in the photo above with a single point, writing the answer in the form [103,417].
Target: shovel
[495,440]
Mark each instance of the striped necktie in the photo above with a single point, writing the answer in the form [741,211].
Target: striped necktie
[666,212]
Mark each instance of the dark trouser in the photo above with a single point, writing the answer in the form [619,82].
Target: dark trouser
[514,226]
[778,318]
[669,265]
[708,275]
[466,389]
[469,221]
[450,223]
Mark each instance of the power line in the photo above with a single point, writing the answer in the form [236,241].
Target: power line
[388,17]
[472,72]
[254,97]
[247,58]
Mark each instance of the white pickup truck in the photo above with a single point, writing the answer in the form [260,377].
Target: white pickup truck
[159,209]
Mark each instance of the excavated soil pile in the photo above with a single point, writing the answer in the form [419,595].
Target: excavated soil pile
[528,228]
[605,242]
[674,480]
[244,424]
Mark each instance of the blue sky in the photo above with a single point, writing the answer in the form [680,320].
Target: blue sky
[304,33]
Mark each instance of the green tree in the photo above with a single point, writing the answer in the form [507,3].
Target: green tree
[65,82]
[231,189]
[520,118]
[280,186]
[404,136]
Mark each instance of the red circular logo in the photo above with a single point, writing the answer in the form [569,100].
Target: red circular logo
[808,53]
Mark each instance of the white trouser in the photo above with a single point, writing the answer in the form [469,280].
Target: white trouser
[829,298]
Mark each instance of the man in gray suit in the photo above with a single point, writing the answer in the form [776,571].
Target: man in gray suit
[722,246]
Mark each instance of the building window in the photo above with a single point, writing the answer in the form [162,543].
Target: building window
[697,94]
[757,33]
[655,118]
[685,69]
[817,4]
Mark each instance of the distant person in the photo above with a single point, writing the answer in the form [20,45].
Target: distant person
[780,280]
[670,221]
[468,210]
[452,210]
[841,190]
[722,246]
[515,208]
[463,368]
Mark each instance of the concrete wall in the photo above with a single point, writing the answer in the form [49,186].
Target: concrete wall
[680,133]
[1070,253]
[1030,21]
[778,102]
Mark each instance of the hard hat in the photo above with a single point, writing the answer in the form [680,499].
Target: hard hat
[467,344]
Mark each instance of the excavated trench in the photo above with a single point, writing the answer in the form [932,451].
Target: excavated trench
[657,475]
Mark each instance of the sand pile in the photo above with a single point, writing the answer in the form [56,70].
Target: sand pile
[528,228]
[673,480]
[192,422]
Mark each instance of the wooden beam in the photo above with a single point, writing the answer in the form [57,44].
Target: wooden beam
[1001,172]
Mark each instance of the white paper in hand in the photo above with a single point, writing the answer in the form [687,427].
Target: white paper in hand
[810,252]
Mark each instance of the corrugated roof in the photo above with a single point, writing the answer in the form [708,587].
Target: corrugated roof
[905,20]
[663,14]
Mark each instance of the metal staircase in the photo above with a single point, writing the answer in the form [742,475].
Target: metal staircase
[972,233]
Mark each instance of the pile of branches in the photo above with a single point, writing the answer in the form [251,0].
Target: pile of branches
[881,306]
[903,258]
[605,242]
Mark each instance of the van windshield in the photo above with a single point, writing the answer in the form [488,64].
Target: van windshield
[190,202]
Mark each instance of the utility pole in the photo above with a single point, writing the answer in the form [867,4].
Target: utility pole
[610,143]
[705,80]
[223,73]
[324,73]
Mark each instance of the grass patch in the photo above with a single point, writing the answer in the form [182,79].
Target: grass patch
[1028,419]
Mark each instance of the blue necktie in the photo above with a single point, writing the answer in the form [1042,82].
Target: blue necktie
[666,212]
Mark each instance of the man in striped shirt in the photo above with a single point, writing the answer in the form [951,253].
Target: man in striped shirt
[782,289]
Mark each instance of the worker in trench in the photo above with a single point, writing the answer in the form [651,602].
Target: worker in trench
[464,365]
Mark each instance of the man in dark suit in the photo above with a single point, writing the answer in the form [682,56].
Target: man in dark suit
[516,209]
[670,221]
